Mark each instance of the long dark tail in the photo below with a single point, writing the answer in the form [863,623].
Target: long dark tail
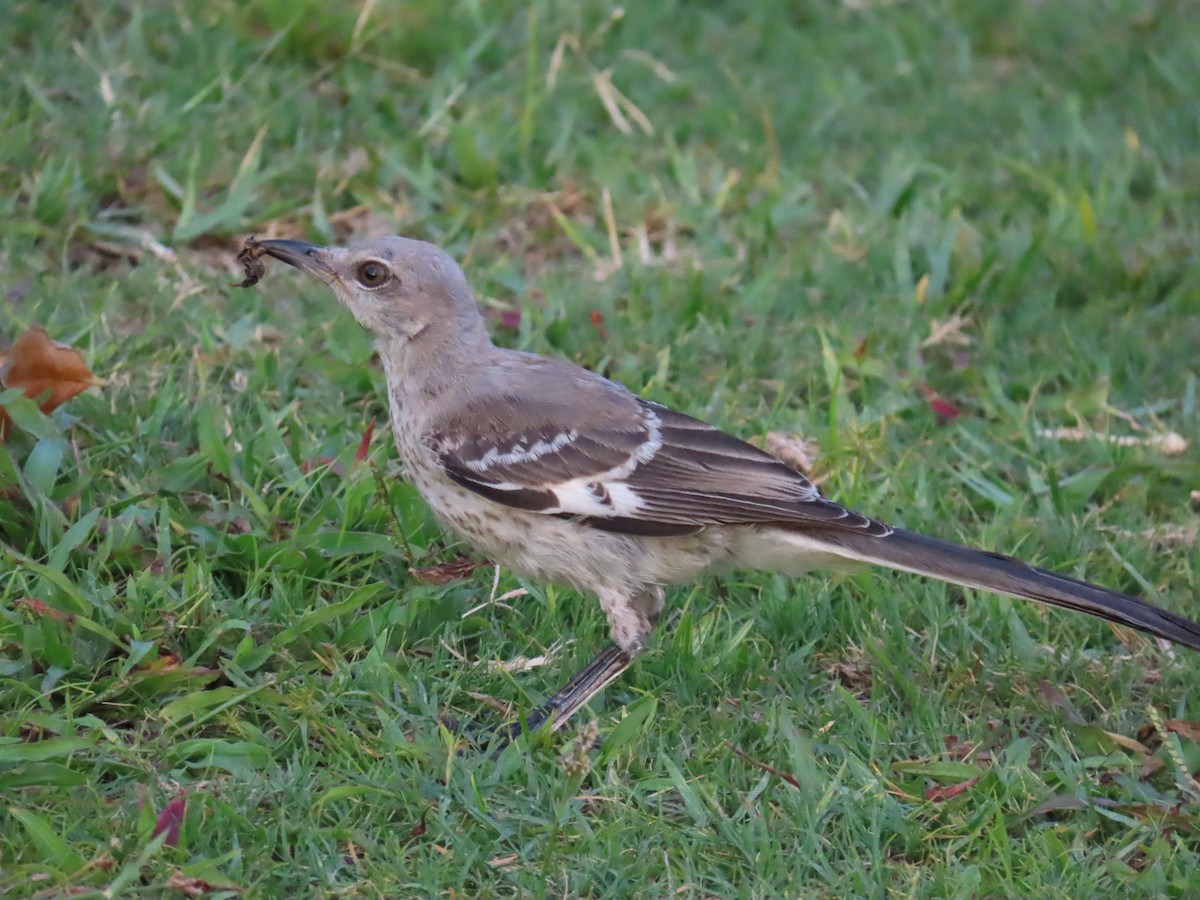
[912,552]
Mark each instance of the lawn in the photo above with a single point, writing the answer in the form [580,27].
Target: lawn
[953,244]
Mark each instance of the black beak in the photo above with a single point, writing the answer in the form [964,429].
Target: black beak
[308,257]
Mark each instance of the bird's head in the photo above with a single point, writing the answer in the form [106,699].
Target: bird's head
[396,287]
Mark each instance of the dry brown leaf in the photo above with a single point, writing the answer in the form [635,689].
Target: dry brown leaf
[853,672]
[39,366]
[196,887]
[1058,803]
[1127,743]
[39,607]
[792,449]
[444,573]
[1189,731]
[941,793]
[520,663]
[488,700]
[962,751]
[168,662]
[420,828]
[1150,765]
[790,779]
[948,331]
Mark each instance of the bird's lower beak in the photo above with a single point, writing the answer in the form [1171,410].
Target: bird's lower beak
[311,258]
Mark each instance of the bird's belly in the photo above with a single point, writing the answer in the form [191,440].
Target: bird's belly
[561,551]
[787,551]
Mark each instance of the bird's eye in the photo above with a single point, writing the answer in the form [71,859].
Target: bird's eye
[372,273]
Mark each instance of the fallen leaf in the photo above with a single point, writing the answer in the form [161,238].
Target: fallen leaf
[1165,815]
[1150,766]
[167,662]
[759,764]
[853,672]
[39,366]
[519,663]
[444,573]
[948,331]
[962,751]
[1056,698]
[791,449]
[419,829]
[102,863]
[942,408]
[1059,803]
[1189,731]
[487,700]
[195,887]
[364,445]
[170,819]
[943,792]
[39,607]
[1128,743]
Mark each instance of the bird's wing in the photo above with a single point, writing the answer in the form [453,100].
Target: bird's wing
[596,453]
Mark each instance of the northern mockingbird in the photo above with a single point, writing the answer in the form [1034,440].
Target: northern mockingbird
[566,477]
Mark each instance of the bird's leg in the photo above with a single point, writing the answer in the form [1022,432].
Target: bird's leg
[605,668]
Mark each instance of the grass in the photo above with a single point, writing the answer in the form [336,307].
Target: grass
[801,195]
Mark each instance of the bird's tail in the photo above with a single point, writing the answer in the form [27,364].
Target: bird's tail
[912,552]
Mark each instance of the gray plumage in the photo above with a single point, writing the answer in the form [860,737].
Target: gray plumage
[567,477]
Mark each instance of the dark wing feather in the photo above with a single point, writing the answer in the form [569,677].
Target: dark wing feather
[701,471]
[594,452]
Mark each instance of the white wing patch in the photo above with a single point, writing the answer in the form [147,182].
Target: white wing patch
[606,495]
[596,499]
[520,453]
[603,495]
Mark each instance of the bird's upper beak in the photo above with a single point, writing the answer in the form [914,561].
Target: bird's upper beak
[312,258]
